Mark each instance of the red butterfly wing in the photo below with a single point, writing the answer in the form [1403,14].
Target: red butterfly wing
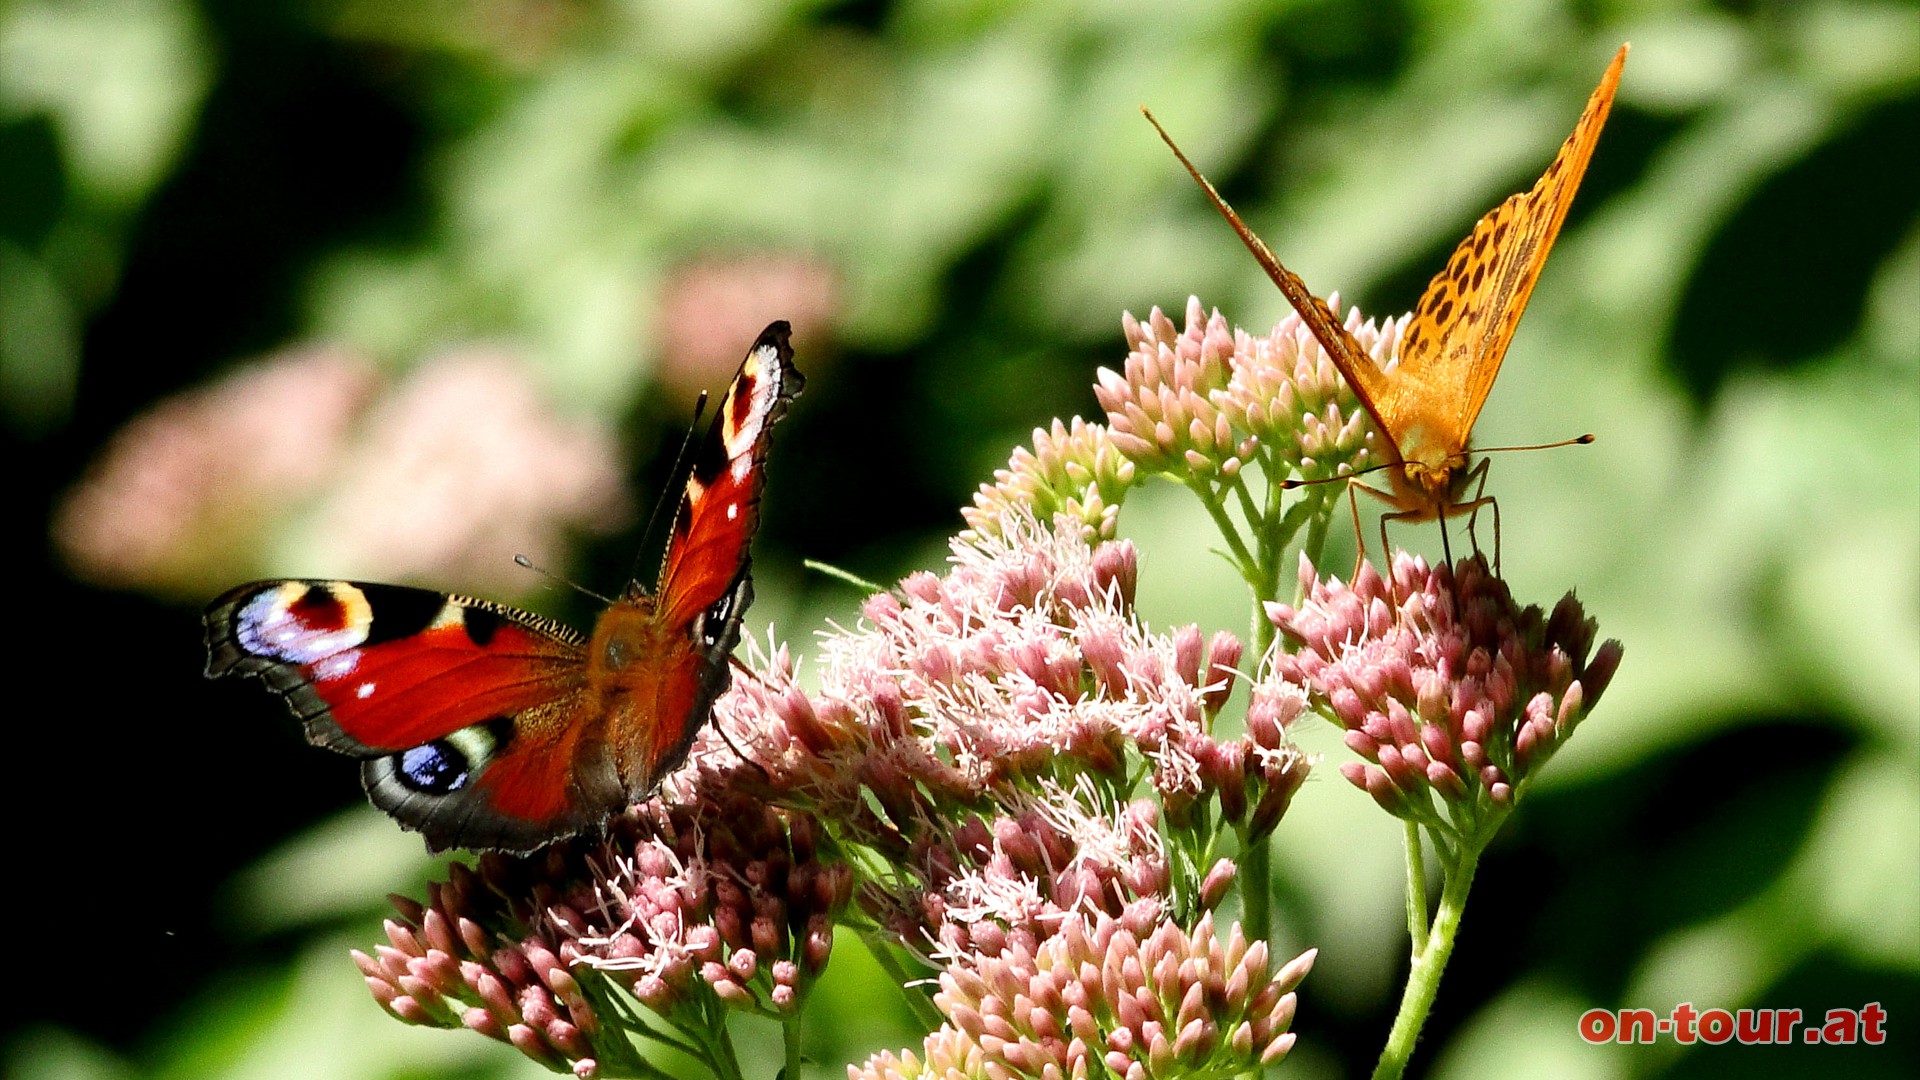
[664,655]
[486,727]
[462,710]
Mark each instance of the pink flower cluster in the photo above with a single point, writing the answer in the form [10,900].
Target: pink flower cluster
[1198,402]
[180,496]
[1203,399]
[683,906]
[1074,469]
[1448,689]
[438,477]
[982,730]
[968,775]
[1109,996]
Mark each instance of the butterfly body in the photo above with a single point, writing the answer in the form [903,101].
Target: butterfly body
[1426,403]
[490,728]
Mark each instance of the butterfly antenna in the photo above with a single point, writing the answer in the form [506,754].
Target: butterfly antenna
[528,564]
[680,466]
[1295,482]
[1581,440]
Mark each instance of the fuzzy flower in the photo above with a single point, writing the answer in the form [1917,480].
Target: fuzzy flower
[1288,395]
[460,467]
[1109,996]
[685,907]
[1446,687]
[441,477]
[1073,469]
[968,776]
[710,305]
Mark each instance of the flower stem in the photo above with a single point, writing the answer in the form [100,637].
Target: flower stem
[1416,884]
[721,1057]
[1243,560]
[790,1040]
[1429,960]
[923,1007]
[1257,887]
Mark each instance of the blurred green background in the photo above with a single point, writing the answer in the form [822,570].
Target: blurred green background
[954,202]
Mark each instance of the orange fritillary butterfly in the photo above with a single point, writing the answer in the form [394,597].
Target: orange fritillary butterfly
[1427,403]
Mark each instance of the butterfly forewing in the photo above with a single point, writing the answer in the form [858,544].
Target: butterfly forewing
[442,696]
[1465,320]
[704,586]
[1361,373]
[376,668]
[1427,402]
[720,507]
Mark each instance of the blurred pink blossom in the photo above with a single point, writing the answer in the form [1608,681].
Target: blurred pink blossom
[460,467]
[710,305]
[191,489]
[441,478]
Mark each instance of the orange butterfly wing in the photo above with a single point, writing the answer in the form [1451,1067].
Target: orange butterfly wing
[1465,320]
[1346,353]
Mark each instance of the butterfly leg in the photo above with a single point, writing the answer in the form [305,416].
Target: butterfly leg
[1359,536]
[720,729]
[1480,499]
[1492,504]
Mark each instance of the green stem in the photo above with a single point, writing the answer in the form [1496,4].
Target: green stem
[723,1042]
[1216,509]
[790,1040]
[619,1056]
[922,1006]
[1416,885]
[1429,963]
[1256,868]
[1317,528]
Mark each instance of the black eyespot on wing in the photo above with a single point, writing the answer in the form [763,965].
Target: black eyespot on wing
[448,764]
[436,768]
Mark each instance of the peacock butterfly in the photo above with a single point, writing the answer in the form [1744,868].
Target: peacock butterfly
[490,728]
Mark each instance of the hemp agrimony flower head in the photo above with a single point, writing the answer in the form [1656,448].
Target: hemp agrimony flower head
[1201,401]
[429,477]
[1073,469]
[1286,393]
[1452,693]
[689,909]
[1108,996]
